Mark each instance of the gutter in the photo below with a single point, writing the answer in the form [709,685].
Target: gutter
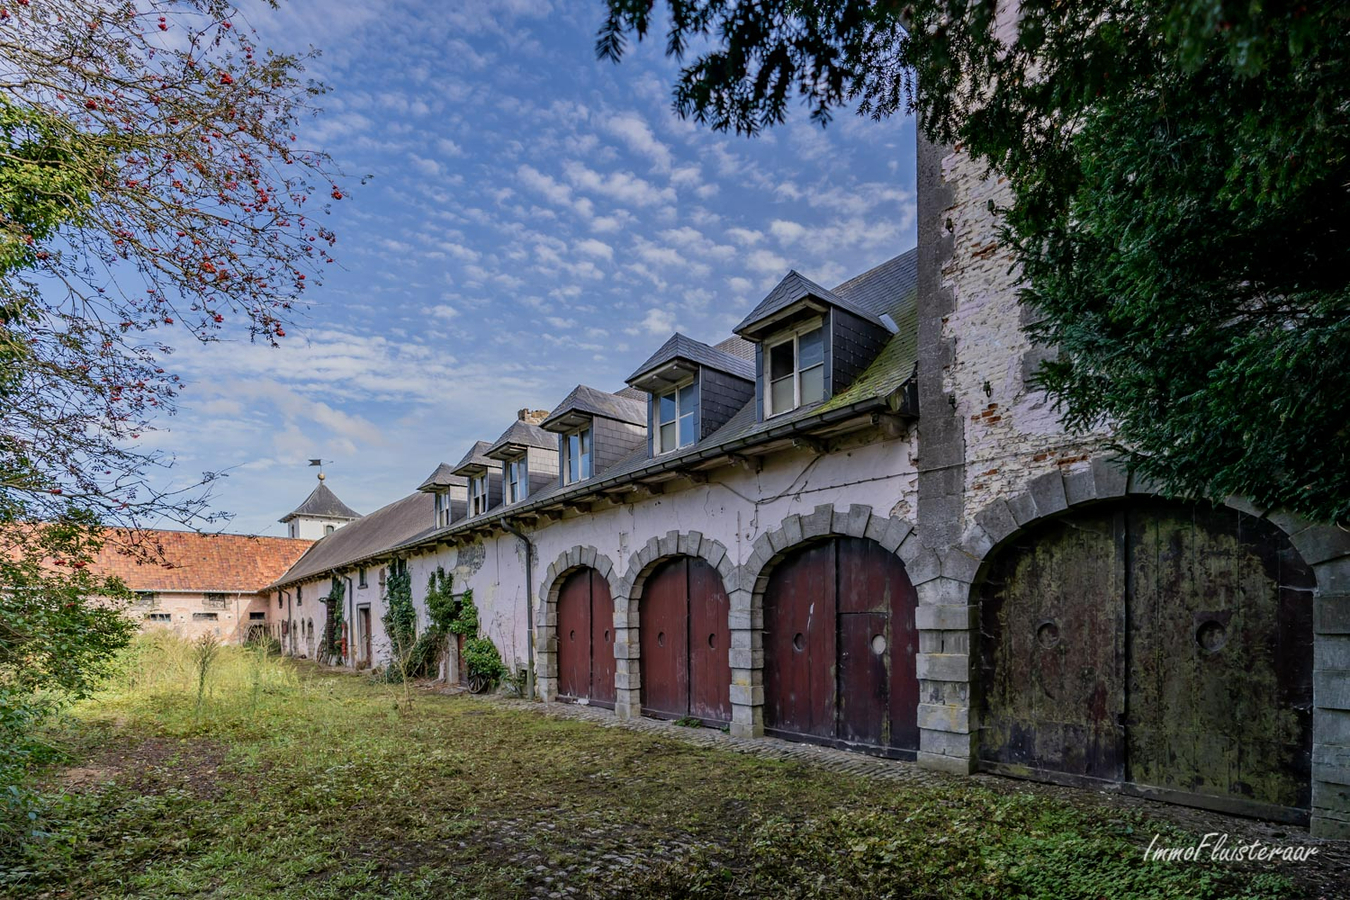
[529,606]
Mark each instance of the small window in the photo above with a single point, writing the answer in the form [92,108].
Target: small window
[257,617]
[795,371]
[158,617]
[361,578]
[213,601]
[278,600]
[329,529]
[295,528]
[205,617]
[299,596]
[517,482]
[147,599]
[478,494]
[577,449]
[677,418]
[443,510]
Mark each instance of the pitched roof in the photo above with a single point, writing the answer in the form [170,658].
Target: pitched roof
[368,537]
[683,348]
[324,503]
[474,459]
[193,562]
[522,434]
[443,477]
[587,402]
[796,287]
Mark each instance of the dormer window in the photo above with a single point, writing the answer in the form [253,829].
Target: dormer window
[796,370]
[677,418]
[478,494]
[443,513]
[577,452]
[517,482]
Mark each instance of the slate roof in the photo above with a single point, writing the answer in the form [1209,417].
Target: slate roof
[322,502]
[591,402]
[681,347]
[474,458]
[365,538]
[443,477]
[199,563]
[523,434]
[796,286]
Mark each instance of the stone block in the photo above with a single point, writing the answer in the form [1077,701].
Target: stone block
[1110,479]
[687,544]
[819,522]
[587,557]
[952,765]
[1242,504]
[763,546]
[777,540]
[792,529]
[897,531]
[604,567]
[945,618]
[876,528]
[955,719]
[746,659]
[1324,826]
[1023,508]
[959,566]
[943,666]
[1048,492]
[855,525]
[1331,614]
[1320,543]
[717,554]
[1331,689]
[747,695]
[921,564]
[997,520]
[1331,651]
[1331,727]
[1331,763]
[745,620]
[1079,487]
[946,743]
[1333,576]
[943,592]
[668,545]
[977,542]
[1142,484]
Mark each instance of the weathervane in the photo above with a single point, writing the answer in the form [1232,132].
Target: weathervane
[320,464]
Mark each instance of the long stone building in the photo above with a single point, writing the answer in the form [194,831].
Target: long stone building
[854,522]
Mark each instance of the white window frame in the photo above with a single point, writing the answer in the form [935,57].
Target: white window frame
[658,444]
[793,337]
[583,472]
[516,481]
[478,494]
[444,509]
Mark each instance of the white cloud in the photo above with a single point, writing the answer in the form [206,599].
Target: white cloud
[630,128]
[598,249]
[624,187]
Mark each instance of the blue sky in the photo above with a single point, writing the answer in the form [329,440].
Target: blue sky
[536,218]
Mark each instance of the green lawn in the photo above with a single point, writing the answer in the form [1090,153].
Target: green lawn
[292,782]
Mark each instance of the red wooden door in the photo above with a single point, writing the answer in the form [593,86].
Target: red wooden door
[574,636]
[602,641]
[664,640]
[709,644]
[799,644]
[685,641]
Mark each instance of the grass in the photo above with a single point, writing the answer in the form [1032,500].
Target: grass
[297,783]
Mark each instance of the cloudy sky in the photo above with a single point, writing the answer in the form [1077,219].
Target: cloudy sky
[536,218]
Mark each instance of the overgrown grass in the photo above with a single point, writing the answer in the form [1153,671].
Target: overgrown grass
[301,784]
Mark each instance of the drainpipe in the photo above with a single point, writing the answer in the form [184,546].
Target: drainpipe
[529,605]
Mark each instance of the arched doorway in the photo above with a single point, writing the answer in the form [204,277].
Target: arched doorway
[684,641]
[1166,647]
[839,645]
[586,639]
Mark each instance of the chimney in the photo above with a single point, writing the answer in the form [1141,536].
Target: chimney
[532,416]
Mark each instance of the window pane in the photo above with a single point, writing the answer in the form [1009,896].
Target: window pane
[780,362]
[585,453]
[813,384]
[687,436]
[667,410]
[668,436]
[780,395]
[811,347]
[688,399]
[573,457]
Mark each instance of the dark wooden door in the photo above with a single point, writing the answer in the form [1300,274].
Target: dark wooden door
[1166,646]
[365,636]
[839,647]
[1051,655]
[586,639]
[574,636]
[709,644]
[685,638]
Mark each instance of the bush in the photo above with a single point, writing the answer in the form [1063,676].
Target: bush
[481,658]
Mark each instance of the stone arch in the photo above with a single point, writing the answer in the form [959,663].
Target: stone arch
[546,616]
[628,598]
[895,534]
[949,611]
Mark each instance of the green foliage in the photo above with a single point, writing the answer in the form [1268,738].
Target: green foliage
[465,620]
[400,617]
[332,635]
[1180,179]
[443,607]
[481,658]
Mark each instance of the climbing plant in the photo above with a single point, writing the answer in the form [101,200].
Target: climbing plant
[400,617]
[333,644]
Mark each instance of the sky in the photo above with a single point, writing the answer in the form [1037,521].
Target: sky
[534,218]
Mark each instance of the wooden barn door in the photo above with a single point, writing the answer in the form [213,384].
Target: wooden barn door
[839,647]
[1167,647]
[586,639]
[684,638]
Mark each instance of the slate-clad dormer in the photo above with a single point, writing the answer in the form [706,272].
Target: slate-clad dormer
[596,430]
[451,492]
[693,389]
[528,456]
[811,342]
[484,478]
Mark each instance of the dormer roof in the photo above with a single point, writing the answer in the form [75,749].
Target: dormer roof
[475,461]
[322,503]
[679,358]
[584,403]
[444,477]
[795,294]
[519,438]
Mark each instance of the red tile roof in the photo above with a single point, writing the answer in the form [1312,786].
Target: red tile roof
[226,563]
